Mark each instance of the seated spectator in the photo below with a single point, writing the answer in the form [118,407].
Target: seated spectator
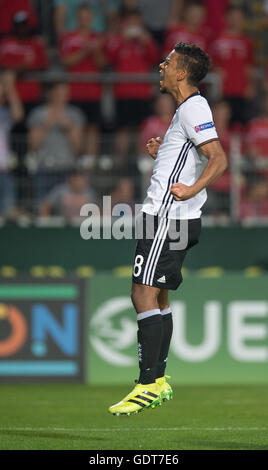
[55,139]
[131,51]
[105,14]
[157,124]
[66,199]
[254,203]
[232,56]
[123,193]
[257,134]
[11,111]
[22,53]
[192,30]
[8,9]
[82,51]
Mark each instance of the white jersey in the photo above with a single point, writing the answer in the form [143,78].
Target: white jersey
[179,160]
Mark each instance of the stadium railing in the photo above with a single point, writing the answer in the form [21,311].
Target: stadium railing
[138,167]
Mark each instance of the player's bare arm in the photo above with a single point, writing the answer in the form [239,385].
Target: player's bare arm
[217,164]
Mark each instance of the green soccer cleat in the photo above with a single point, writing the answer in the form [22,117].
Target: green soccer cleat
[141,397]
[165,389]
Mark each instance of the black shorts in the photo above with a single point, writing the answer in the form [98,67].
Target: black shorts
[161,249]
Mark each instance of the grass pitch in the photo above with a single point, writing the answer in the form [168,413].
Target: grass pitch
[74,417]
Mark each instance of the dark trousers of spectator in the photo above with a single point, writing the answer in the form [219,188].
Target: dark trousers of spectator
[43,182]
[7,193]
[242,109]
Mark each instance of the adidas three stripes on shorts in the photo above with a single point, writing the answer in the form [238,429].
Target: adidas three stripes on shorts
[161,248]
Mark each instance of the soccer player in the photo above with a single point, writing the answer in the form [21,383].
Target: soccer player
[188,160]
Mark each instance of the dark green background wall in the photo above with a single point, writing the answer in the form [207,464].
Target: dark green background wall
[231,248]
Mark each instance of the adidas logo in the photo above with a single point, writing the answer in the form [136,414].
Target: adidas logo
[162,279]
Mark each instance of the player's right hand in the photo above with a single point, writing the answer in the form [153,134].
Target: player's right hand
[153,146]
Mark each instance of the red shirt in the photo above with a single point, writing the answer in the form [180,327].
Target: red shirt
[233,54]
[15,53]
[257,136]
[73,42]
[132,56]
[215,15]
[253,209]
[8,8]
[181,33]
[223,184]
[153,126]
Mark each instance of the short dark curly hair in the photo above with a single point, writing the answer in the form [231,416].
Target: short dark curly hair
[194,60]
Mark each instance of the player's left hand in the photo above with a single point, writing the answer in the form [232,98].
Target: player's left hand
[181,192]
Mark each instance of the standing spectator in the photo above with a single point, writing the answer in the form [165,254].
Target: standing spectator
[67,199]
[254,203]
[257,134]
[105,13]
[158,123]
[232,55]
[155,125]
[192,30]
[23,53]
[8,9]
[82,51]
[221,187]
[158,14]
[131,51]
[215,14]
[55,139]
[11,111]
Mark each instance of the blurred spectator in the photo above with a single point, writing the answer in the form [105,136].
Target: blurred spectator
[156,14]
[222,115]
[123,193]
[67,199]
[8,8]
[22,52]
[222,186]
[105,14]
[254,203]
[55,139]
[192,30]
[257,134]
[157,124]
[11,111]
[265,78]
[131,51]
[232,55]
[82,52]
[215,13]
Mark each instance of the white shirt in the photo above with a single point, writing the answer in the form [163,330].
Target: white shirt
[179,160]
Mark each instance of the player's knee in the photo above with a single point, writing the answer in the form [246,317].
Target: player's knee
[143,297]
[162,299]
